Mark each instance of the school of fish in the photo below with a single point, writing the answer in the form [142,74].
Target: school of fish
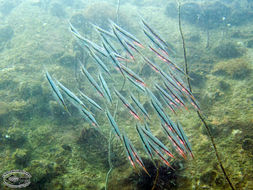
[118,47]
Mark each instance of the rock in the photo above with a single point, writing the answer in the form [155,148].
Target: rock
[131,180]
[224,86]
[207,15]
[214,14]
[15,137]
[58,11]
[238,69]
[194,38]
[146,71]
[67,61]
[6,34]
[95,147]
[208,177]
[21,157]
[249,43]
[191,12]
[99,13]
[7,7]
[227,51]
[247,144]
[42,171]
[197,79]
[81,23]
[171,10]
[67,147]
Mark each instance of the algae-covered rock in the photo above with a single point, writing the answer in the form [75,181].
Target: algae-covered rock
[171,10]
[29,90]
[67,61]
[21,157]
[94,145]
[99,13]
[228,50]
[146,71]
[235,69]
[129,179]
[6,34]
[213,13]
[4,108]
[42,171]
[249,43]
[15,137]
[58,10]
[6,7]
[194,38]
[191,12]
[206,15]
[197,79]
[224,86]
[208,177]
[247,144]
[81,23]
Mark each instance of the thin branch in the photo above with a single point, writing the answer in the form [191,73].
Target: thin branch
[117,13]
[199,114]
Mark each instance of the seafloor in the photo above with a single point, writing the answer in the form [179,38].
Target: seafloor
[65,152]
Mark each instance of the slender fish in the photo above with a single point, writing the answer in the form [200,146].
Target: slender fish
[111,55]
[170,63]
[134,76]
[105,88]
[113,124]
[163,43]
[122,43]
[184,137]
[140,87]
[109,43]
[127,35]
[157,142]
[139,105]
[56,91]
[71,96]
[92,80]
[174,141]
[144,141]
[166,95]
[128,151]
[102,31]
[137,157]
[89,117]
[99,62]
[128,105]
[92,102]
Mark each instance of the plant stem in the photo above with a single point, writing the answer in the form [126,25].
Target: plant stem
[199,114]
[117,13]
[109,160]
